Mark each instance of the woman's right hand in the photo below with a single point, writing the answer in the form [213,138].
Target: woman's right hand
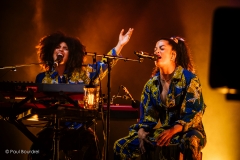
[142,136]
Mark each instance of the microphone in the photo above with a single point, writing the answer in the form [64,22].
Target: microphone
[123,97]
[58,60]
[127,92]
[135,103]
[142,54]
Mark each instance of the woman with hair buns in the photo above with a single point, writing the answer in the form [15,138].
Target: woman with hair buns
[171,107]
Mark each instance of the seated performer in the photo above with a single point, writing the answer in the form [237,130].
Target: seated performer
[173,97]
[70,70]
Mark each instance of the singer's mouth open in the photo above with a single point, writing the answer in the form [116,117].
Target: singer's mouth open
[158,57]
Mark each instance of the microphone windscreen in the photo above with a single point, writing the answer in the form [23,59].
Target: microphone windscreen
[59,57]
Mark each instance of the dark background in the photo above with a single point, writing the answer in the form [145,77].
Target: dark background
[98,24]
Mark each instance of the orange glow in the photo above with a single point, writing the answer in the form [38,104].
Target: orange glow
[97,24]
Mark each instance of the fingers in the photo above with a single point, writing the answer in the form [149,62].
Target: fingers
[142,149]
[141,146]
[130,30]
[121,33]
[163,141]
[147,141]
[168,142]
[160,139]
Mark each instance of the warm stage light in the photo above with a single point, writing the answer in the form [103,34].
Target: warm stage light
[33,118]
[225,90]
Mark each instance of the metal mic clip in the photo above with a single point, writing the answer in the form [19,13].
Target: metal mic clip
[142,54]
[58,60]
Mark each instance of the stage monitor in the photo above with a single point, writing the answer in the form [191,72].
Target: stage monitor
[225,49]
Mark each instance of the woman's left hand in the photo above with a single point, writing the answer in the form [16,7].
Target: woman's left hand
[124,38]
[164,138]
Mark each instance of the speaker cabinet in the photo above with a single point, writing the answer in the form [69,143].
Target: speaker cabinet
[224,65]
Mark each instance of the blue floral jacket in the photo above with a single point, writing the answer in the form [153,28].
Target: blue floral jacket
[79,75]
[184,103]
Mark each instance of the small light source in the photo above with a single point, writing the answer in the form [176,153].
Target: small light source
[226,90]
[33,118]
[91,97]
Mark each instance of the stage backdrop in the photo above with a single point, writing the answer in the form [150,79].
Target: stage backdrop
[98,24]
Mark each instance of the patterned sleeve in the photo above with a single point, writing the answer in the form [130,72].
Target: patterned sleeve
[148,115]
[100,68]
[39,77]
[193,106]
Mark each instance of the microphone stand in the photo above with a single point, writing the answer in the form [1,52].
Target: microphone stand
[14,67]
[109,63]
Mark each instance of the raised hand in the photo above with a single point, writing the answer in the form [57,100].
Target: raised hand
[123,39]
